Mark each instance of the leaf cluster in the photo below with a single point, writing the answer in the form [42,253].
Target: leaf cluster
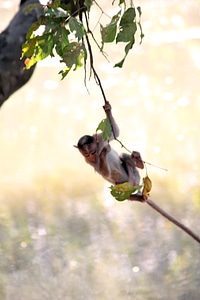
[50,35]
[123,191]
[62,29]
[122,28]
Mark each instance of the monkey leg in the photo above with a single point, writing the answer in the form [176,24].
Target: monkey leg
[130,167]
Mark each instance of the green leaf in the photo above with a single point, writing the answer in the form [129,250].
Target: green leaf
[64,73]
[120,63]
[106,129]
[61,39]
[28,47]
[45,46]
[77,27]
[126,33]
[88,4]
[128,16]
[33,28]
[108,32]
[127,25]
[123,191]
[39,48]
[73,54]
[127,48]
[56,12]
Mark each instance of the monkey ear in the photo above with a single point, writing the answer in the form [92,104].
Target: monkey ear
[95,136]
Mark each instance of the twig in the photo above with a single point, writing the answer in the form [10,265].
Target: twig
[139,197]
[96,76]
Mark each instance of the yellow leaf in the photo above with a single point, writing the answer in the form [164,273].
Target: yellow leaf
[147,187]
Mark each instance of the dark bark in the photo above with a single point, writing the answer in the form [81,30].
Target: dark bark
[12,73]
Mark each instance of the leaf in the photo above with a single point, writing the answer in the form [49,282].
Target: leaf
[108,32]
[127,30]
[56,12]
[29,47]
[127,48]
[88,4]
[33,27]
[61,39]
[106,129]
[123,191]
[76,27]
[147,187]
[126,33]
[127,26]
[73,54]
[45,46]
[64,73]
[39,49]
[128,16]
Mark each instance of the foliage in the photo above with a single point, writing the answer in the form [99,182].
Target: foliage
[106,129]
[123,191]
[147,187]
[64,30]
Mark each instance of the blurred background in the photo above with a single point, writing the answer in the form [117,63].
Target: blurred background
[62,236]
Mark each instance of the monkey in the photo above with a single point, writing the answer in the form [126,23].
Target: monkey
[105,160]
[119,168]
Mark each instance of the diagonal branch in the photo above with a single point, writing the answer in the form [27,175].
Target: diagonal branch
[139,197]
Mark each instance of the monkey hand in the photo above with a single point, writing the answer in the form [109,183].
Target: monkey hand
[136,157]
[107,107]
[105,151]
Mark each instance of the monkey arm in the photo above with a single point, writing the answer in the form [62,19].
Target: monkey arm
[115,129]
[103,164]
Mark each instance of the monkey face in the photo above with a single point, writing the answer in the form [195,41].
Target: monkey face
[89,151]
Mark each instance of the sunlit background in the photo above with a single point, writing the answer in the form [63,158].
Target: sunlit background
[62,236]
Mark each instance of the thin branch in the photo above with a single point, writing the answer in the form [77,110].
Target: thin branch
[139,197]
[102,11]
[96,76]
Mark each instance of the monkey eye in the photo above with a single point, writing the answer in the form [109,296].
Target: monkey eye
[91,153]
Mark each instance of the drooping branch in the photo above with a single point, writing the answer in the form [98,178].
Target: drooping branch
[139,197]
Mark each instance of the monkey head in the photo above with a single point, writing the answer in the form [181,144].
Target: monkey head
[88,147]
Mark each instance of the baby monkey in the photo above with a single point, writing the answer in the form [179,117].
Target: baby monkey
[105,160]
